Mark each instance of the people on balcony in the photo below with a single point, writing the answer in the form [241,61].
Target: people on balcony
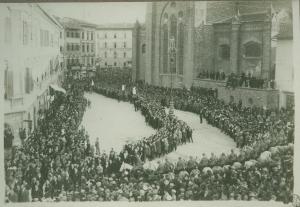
[234,80]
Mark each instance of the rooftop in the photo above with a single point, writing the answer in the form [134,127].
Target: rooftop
[116,26]
[75,23]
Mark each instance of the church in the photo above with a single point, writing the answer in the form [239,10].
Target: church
[182,40]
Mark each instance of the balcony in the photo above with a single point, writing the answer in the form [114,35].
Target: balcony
[263,97]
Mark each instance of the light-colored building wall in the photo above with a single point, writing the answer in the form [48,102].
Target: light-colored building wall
[284,70]
[88,42]
[30,59]
[114,47]
[284,65]
[72,45]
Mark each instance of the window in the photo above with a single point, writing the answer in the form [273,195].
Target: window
[72,47]
[124,64]
[124,54]
[60,48]
[124,44]
[68,34]
[115,63]
[105,54]
[166,16]
[92,60]
[173,29]
[8,82]
[92,36]
[224,52]
[173,34]
[82,35]
[143,48]
[28,81]
[60,35]
[180,47]
[165,48]
[231,99]
[7,30]
[180,15]
[87,48]
[44,38]
[105,63]
[105,44]
[83,48]
[105,35]
[115,45]
[77,47]
[125,35]
[41,37]
[25,33]
[92,48]
[252,49]
[115,35]
[115,55]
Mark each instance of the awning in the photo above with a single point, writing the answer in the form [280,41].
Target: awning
[57,88]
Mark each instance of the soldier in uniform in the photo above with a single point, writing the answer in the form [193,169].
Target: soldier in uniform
[201,116]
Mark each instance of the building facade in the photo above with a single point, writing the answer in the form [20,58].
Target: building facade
[216,37]
[284,69]
[30,61]
[114,46]
[139,52]
[80,42]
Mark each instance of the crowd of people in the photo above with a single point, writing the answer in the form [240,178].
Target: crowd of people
[57,162]
[219,76]
[170,133]
[234,80]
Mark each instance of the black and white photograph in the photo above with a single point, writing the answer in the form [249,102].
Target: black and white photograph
[165,101]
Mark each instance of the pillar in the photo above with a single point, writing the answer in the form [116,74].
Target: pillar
[266,50]
[234,48]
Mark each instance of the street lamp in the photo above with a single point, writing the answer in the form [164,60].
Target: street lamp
[172,64]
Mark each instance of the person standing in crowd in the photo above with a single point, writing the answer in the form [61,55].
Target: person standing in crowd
[97,146]
[201,115]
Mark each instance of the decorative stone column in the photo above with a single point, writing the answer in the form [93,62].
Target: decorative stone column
[135,52]
[266,50]
[234,47]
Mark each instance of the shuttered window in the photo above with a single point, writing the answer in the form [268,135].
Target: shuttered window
[28,81]
[8,84]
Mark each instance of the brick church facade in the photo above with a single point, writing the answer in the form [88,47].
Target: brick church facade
[220,37]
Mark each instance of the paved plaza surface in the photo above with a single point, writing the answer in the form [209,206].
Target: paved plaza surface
[113,122]
[116,122]
[207,139]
